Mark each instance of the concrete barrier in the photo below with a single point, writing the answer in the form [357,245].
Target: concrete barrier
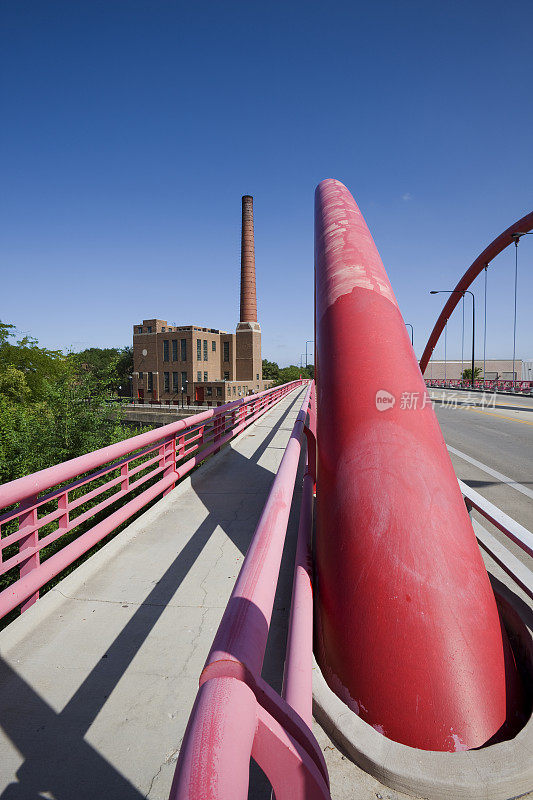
[500,771]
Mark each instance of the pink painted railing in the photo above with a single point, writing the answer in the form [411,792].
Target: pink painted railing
[524,387]
[73,505]
[237,715]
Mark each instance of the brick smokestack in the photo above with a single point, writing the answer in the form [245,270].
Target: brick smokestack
[248,296]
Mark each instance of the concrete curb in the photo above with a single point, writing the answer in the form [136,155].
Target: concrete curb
[499,772]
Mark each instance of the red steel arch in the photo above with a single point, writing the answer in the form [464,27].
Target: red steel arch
[489,253]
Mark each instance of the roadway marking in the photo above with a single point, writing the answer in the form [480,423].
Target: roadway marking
[500,416]
[484,468]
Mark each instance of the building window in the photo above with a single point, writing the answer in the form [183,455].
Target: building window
[175,382]
[165,350]
[219,391]
[167,381]
[183,345]
[198,349]
[226,351]
[205,349]
[209,391]
[199,376]
[139,330]
[183,381]
[257,377]
[163,329]
[149,329]
[214,345]
[174,349]
[150,381]
[226,376]
[140,376]
[205,376]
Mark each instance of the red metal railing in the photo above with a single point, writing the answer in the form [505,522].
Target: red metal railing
[70,507]
[236,714]
[524,387]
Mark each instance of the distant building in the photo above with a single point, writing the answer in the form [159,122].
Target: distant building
[495,369]
[200,364]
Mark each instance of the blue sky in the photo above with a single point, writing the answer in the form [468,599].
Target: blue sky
[131,129]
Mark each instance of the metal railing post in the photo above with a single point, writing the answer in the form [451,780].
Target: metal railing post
[170,462]
[28,520]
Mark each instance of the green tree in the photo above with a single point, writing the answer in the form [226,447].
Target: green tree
[290,373]
[109,367]
[467,373]
[37,364]
[13,384]
[54,406]
[124,369]
[270,370]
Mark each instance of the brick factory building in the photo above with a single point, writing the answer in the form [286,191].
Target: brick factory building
[184,363]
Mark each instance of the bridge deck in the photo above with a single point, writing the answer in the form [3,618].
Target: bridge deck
[98,678]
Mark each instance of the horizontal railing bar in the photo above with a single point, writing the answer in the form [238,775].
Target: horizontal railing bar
[20,590]
[72,505]
[76,484]
[72,524]
[79,501]
[520,535]
[88,496]
[13,538]
[507,561]
[140,467]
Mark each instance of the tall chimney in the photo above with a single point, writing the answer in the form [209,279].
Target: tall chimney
[248,297]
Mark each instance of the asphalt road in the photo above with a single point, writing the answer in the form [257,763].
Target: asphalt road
[498,435]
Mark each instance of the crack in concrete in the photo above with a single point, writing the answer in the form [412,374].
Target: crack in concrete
[128,603]
[167,760]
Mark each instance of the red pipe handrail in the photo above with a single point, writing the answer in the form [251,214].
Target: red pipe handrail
[236,715]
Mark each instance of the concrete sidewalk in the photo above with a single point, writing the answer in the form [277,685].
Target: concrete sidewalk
[98,678]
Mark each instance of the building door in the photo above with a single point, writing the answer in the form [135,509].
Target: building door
[141,394]
[199,394]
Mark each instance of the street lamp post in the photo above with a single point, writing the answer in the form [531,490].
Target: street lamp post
[516,237]
[463,291]
[309,341]
[445,346]
[408,325]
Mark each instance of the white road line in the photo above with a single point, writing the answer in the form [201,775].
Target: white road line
[493,472]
